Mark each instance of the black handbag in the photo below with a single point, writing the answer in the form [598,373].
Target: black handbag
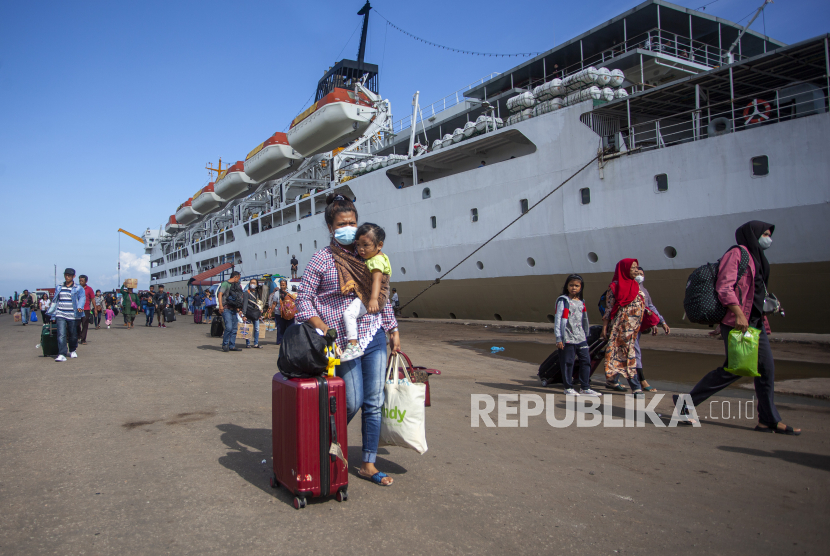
[302,352]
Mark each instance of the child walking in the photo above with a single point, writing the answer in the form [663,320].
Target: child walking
[368,242]
[109,315]
[571,328]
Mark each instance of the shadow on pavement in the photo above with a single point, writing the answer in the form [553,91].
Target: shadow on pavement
[209,347]
[816,461]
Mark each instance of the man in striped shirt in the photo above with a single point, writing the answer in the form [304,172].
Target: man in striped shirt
[67,307]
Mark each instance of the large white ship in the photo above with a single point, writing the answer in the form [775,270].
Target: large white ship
[688,129]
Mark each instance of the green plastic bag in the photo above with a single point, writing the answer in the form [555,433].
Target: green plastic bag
[743,352]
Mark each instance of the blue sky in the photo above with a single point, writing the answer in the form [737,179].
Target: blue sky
[109,111]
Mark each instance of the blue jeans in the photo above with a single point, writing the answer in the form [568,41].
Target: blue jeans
[364,390]
[256,334]
[149,311]
[231,321]
[282,326]
[67,326]
[25,311]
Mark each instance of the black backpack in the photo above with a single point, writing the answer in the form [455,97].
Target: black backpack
[302,352]
[701,301]
[253,312]
[234,297]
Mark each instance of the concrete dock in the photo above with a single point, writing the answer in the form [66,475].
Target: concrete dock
[153,441]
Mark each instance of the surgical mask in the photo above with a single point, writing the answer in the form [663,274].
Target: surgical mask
[639,279]
[345,235]
[252,286]
[765,242]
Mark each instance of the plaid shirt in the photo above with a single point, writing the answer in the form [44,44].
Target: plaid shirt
[320,296]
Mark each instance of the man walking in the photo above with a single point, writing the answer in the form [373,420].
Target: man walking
[89,295]
[294,265]
[67,307]
[26,305]
[230,305]
[160,300]
[150,306]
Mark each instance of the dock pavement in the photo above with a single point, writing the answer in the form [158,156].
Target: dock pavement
[154,441]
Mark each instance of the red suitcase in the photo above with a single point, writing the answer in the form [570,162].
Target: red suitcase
[308,417]
[197,316]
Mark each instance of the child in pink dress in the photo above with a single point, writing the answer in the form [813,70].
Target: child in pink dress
[109,315]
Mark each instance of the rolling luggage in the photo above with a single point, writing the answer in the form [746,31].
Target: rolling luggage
[550,371]
[197,316]
[49,340]
[169,314]
[309,437]
[217,327]
[184,311]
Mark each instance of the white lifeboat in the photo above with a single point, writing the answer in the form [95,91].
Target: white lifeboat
[185,215]
[469,129]
[335,119]
[206,200]
[233,182]
[457,135]
[617,78]
[437,144]
[603,77]
[172,225]
[446,141]
[271,160]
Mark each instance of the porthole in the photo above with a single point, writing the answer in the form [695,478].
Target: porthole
[551,318]
[593,257]
[452,316]
[497,316]
[403,270]
[426,194]
[670,252]
[662,182]
[438,268]
[760,166]
[479,265]
[415,315]
[585,195]
[531,262]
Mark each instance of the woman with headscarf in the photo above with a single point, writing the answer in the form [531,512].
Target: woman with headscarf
[130,304]
[283,310]
[626,306]
[743,296]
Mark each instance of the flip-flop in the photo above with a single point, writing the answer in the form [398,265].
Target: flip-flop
[616,387]
[649,389]
[377,478]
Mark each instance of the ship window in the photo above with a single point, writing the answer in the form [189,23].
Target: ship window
[286,250]
[531,262]
[400,228]
[593,257]
[301,248]
[426,194]
[403,270]
[275,251]
[585,195]
[662,182]
[474,215]
[298,227]
[434,222]
[479,265]
[315,244]
[438,268]
[760,166]
[265,253]
[670,252]
[523,205]
[255,256]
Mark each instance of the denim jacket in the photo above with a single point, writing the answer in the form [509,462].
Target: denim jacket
[78,300]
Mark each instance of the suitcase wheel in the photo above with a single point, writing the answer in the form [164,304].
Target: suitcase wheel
[342,495]
[274,482]
[544,382]
[299,503]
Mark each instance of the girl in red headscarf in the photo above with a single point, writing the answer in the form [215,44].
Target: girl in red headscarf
[625,307]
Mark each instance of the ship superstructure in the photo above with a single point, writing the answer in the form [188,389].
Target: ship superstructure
[685,140]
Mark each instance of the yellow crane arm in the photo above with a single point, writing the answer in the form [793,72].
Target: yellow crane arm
[135,237]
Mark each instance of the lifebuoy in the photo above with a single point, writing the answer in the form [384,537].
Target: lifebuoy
[757,111]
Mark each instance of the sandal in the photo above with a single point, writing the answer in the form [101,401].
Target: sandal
[616,386]
[377,478]
[649,389]
[684,412]
[788,430]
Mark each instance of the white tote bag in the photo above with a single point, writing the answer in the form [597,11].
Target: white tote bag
[403,416]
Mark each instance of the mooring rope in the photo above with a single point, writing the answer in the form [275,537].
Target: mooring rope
[480,247]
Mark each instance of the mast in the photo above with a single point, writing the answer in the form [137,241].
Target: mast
[364,11]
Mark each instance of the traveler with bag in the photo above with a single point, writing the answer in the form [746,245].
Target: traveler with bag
[89,293]
[26,304]
[149,307]
[294,266]
[67,307]
[210,305]
[284,308]
[321,303]
[44,304]
[160,301]
[129,303]
[626,309]
[571,328]
[741,286]
[251,311]
[98,302]
[230,307]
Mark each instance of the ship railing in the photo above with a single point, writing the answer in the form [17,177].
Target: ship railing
[659,41]
[762,108]
[440,105]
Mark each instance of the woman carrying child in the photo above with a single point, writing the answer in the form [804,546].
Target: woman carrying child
[626,306]
[571,327]
[328,288]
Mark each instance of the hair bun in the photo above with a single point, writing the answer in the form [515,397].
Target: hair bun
[332,197]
